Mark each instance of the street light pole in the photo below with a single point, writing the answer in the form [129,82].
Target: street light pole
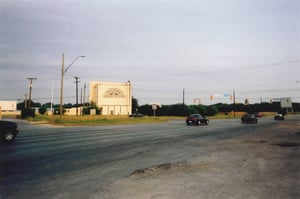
[61,85]
[63,71]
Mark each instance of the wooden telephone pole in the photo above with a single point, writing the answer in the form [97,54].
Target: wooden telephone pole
[30,90]
[76,82]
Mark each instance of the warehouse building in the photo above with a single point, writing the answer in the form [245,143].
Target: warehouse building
[8,105]
[112,97]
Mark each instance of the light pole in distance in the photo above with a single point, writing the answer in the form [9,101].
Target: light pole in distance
[63,71]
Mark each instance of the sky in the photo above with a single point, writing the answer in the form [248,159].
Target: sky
[170,50]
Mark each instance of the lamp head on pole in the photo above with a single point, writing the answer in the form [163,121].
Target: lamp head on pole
[81,56]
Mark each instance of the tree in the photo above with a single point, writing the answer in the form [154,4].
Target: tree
[146,109]
[21,106]
[42,110]
[199,108]
[211,110]
[87,110]
[135,105]
[225,108]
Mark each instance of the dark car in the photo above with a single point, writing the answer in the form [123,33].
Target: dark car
[249,118]
[278,117]
[196,119]
[8,131]
[258,114]
[136,115]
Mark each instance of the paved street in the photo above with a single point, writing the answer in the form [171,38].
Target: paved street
[78,162]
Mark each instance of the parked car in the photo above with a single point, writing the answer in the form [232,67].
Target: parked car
[196,119]
[278,117]
[249,118]
[8,131]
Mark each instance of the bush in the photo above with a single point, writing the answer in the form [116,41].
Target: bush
[211,110]
[199,108]
[87,110]
[27,113]
[57,111]
[179,110]
[42,110]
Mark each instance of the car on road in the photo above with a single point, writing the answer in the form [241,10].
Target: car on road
[278,117]
[196,119]
[249,118]
[136,115]
[258,114]
[8,131]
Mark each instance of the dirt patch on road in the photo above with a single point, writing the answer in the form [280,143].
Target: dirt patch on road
[171,168]
[287,144]
[263,164]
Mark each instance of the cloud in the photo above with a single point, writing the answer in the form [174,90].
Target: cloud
[161,46]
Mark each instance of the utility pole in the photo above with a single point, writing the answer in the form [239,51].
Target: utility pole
[25,102]
[81,90]
[76,78]
[62,85]
[51,101]
[84,90]
[233,103]
[80,95]
[183,97]
[30,89]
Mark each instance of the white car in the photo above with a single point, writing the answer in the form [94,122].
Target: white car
[278,117]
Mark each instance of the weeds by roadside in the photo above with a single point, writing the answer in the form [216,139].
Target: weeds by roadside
[94,120]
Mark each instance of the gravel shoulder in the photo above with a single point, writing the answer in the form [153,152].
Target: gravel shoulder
[259,165]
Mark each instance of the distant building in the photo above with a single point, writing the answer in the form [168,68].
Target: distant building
[113,98]
[8,105]
[72,111]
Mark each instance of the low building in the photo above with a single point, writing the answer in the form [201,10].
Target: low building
[74,111]
[8,105]
[111,97]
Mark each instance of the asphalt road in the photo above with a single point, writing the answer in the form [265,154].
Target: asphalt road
[77,162]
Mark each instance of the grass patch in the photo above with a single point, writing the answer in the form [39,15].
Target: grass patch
[94,120]
[87,120]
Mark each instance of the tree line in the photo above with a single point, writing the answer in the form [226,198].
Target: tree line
[210,110]
[42,108]
[175,109]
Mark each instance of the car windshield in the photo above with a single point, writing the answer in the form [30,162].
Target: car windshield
[196,115]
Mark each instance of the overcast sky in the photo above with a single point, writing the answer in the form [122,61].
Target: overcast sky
[162,46]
